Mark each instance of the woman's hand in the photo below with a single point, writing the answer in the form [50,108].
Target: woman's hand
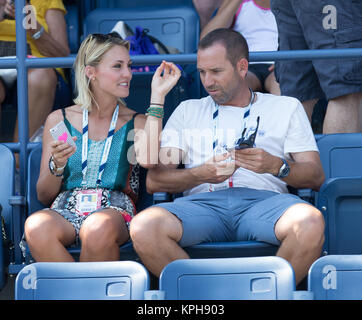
[61,152]
[164,79]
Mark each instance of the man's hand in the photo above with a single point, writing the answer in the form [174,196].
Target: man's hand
[215,170]
[10,8]
[257,160]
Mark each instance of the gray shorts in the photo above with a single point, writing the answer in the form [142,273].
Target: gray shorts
[233,214]
[302,25]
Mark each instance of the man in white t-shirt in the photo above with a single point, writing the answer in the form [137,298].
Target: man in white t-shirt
[231,192]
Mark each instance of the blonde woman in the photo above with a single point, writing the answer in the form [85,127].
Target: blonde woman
[92,187]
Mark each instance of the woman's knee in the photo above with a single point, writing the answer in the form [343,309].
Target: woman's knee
[101,231]
[41,228]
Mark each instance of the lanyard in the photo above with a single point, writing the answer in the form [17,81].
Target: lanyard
[106,148]
[215,125]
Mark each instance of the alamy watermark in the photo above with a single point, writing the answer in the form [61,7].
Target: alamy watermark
[330,20]
[29,21]
[329,281]
[29,281]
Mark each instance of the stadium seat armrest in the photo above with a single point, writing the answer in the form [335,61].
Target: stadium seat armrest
[307,195]
[159,197]
[154,295]
[17,201]
[303,295]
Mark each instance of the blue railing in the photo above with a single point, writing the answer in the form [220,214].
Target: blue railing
[22,64]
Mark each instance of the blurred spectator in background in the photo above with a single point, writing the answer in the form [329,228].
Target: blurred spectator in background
[322,25]
[205,9]
[48,39]
[255,21]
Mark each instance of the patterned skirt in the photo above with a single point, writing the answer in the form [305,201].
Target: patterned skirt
[65,205]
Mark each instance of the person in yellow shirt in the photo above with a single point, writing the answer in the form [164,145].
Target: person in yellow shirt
[47,39]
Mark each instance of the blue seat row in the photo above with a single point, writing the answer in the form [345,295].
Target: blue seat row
[233,279]
[334,277]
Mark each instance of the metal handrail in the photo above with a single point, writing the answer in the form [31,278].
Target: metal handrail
[190,58]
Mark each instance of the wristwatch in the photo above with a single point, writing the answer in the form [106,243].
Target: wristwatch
[54,170]
[284,169]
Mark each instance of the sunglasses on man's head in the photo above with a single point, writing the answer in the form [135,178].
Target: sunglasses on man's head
[243,143]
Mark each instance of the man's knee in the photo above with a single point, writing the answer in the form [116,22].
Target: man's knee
[305,223]
[152,224]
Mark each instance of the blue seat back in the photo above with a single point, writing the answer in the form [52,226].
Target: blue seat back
[33,174]
[7,185]
[72,20]
[336,277]
[228,279]
[174,26]
[7,190]
[340,198]
[120,280]
[341,154]
[139,3]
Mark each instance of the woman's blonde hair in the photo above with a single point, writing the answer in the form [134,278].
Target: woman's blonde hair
[90,53]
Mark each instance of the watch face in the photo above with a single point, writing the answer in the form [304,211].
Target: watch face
[52,166]
[284,170]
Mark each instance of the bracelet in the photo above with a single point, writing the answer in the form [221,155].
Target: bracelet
[38,34]
[155,112]
[156,104]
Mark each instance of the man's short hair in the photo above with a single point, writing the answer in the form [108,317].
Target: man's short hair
[234,43]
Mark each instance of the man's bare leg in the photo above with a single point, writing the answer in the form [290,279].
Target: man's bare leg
[155,233]
[301,232]
[343,114]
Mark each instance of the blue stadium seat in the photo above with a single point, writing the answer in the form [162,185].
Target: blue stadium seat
[7,162]
[33,204]
[341,154]
[336,277]
[258,278]
[73,30]
[175,26]
[139,3]
[233,249]
[340,197]
[119,280]
[340,201]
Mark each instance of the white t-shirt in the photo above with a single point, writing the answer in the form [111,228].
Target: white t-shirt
[283,129]
[258,26]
